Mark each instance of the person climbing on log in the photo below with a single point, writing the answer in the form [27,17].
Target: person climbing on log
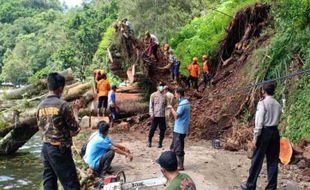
[152,45]
[266,140]
[175,68]
[100,151]
[181,126]
[194,73]
[206,75]
[58,123]
[169,167]
[112,104]
[158,104]
[103,90]
[128,27]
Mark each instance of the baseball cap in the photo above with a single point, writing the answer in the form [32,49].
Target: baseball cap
[168,160]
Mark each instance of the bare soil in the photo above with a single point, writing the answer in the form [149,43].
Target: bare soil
[211,169]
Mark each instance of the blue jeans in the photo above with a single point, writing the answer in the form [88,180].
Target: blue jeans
[58,163]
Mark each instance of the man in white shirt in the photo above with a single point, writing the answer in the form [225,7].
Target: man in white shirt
[266,140]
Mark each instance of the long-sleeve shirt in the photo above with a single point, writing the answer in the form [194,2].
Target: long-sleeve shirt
[267,114]
[158,104]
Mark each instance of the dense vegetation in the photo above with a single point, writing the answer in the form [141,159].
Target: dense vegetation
[37,37]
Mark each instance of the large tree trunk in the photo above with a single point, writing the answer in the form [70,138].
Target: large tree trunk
[18,136]
[39,87]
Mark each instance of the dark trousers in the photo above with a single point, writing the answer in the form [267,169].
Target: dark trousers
[206,78]
[103,102]
[105,162]
[177,144]
[58,163]
[193,81]
[268,144]
[161,122]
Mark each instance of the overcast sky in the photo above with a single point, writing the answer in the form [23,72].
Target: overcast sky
[72,3]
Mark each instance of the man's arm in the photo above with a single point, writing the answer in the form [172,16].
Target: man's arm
[259,121]
[117,149]
[70,116]
[151,106]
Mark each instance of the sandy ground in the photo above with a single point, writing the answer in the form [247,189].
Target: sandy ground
[210,169]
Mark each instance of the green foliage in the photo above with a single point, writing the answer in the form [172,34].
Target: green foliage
[160,17]
[203,34]
[291,39]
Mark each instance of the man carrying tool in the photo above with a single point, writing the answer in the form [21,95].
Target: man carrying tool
[194,73]
[206,76]
[158,104]
[170,102]
[181,126]
[100,151]
[169,167]
[58,123]
[103,90]
[153,45]
[266,141]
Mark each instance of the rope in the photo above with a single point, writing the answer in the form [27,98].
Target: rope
[255,85]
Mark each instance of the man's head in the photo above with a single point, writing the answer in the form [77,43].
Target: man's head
[195,60]
[55,83]
[113,87]
[147,34]
[179,92]
[166,47]
[103,128]
[161,87]
[204,57]
[103,76]
[166,89]
[168,163]
[269,88]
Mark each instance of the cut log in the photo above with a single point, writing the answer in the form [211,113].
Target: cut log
[77,91]
[18,136]
[39,87]
[286,151]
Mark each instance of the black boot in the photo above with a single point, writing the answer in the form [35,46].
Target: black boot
[160,142]
[180,163]
[149,143]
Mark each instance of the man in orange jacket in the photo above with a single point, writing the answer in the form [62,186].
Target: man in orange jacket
[206,76]
[194,73]
[103,91]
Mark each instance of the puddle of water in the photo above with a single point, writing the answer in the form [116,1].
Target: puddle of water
[23,170]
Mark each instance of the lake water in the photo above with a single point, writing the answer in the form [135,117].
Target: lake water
[23,170]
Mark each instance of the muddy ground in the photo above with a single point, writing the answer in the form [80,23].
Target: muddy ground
[211,169]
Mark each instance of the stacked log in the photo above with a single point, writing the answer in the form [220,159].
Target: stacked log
[18,117]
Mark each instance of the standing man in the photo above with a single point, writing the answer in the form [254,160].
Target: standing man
[158,104]
[103,91]
[194,73]
[170,102]
[153,44]
[266,141]
[206,76]
[58,123]
[181,126]
[169,167]
[112,104]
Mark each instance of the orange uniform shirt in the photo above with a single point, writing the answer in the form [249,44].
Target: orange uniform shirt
[205,66]
[194,70]
[103,87]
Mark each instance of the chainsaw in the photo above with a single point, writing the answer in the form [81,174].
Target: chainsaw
[118,182]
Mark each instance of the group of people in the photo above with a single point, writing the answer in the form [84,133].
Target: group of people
[106,95]
[59,122]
